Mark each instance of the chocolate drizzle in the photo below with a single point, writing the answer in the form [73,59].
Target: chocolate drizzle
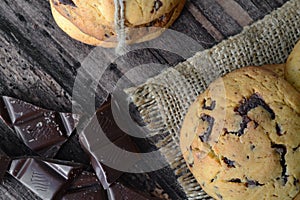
[205,136]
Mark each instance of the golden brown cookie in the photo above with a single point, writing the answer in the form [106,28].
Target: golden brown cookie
[241,139]
[276,68]
[96,19]
[292,69]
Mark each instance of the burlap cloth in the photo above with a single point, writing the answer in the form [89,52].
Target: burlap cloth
[164,100]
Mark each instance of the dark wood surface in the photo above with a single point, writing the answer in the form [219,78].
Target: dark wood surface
[39,62]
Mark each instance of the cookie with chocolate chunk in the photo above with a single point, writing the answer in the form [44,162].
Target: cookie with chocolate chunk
[93,22]
[292,69]
[241,139]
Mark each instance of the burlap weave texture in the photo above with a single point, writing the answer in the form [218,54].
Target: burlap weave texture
[164,100]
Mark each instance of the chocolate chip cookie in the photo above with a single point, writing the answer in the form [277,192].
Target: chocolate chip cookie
[93,22]
[241,139]
[292,69]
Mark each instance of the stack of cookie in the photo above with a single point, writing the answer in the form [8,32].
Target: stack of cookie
[241,137]
[101,23]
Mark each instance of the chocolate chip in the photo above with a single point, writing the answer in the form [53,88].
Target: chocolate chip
[278,130]
[219,196]
[254,101]
[243,126]
[295,181]
[67,2]
[229,163]
[295,149]
[157,5]
[252,183]
[205,136]
[281,149]
[209,107]
[235,180]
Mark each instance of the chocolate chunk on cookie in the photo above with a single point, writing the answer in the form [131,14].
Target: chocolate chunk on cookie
[251,147]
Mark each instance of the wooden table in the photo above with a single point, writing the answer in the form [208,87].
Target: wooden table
[39,62]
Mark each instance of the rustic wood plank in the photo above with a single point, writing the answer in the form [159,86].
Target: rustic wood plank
[221,20]
[235,11]
[188,24]
[262,5]
[251,9]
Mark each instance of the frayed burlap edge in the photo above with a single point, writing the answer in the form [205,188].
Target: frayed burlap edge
[164,100]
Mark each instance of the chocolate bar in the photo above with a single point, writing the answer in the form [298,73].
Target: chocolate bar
[48,179]
[119,191]
[96,147]
[42,130]
[86,186]
[4,164]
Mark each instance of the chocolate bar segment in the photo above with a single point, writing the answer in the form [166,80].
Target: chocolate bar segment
[119,191]
[86,186]
[42,130]
[48,179]
[93,143]
[70,121]
[4,164]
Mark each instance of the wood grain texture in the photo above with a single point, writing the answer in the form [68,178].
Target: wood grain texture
[39,64]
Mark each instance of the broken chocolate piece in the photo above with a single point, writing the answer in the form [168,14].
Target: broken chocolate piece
[119,191]
[4,164]
[108,175]
[46,178]
[86,186]
[96,147]
[205,136]
[70,121]
[42,130]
